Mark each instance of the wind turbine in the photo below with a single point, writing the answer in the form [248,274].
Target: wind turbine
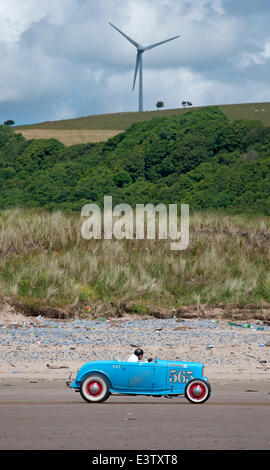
[139,64]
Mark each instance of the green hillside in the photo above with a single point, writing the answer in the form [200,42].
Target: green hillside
[199,157]
[121,121]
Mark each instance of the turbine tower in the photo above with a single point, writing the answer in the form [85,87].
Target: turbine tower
[139,64]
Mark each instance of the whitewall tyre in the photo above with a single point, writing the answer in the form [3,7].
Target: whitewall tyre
[197,391]
[95,388]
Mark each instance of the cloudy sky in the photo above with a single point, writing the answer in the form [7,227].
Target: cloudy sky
[61,58]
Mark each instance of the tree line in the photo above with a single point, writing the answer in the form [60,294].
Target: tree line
[199,158]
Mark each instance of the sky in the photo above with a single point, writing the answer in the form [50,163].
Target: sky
[61,59]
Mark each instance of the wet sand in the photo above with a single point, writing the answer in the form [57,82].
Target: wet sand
[50,416]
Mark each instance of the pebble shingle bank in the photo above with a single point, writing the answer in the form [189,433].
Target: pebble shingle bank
[43,340]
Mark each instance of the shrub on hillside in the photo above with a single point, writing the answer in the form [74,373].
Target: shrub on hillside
[199,157]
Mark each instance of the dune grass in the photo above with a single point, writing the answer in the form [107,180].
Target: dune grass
[45,262]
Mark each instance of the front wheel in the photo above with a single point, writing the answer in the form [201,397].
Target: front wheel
[94,388]
[197,391]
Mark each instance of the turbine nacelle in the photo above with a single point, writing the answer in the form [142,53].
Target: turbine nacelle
[140,49]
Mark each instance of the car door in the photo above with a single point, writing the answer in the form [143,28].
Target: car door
[141,376]
[118,374]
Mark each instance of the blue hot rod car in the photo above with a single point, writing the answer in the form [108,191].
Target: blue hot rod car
[97,380]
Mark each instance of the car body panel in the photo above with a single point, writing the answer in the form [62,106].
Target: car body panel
[160,377]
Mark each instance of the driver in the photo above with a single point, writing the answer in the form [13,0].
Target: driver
[137,356]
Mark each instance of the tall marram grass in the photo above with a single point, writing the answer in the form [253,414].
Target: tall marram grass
[44,261]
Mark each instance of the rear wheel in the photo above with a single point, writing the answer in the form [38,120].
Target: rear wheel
[95,388]
[197,391]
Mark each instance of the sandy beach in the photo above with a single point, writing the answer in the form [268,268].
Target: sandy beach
[34,349]
[39,412]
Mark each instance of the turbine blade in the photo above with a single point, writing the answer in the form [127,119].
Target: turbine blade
[125,36]
[138,58]
[159,43]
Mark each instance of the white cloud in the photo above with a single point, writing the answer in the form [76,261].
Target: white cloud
[249,58]
[175,85]
[61,58]
[17,15]
[260,57]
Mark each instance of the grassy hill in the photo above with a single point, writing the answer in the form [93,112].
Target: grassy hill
[82,130]
[198,157]
[121,121]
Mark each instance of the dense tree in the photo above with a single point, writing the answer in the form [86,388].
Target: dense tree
[186,103]
[199,157]
[159,104]
[9,122]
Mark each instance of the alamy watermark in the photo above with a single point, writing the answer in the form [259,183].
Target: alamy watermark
[119,222]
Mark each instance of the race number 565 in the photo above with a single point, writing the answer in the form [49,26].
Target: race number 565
[180,376]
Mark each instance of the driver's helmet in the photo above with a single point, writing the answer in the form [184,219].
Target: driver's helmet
[138,352]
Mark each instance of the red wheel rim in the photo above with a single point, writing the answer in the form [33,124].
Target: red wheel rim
[197,391]
[94,388]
